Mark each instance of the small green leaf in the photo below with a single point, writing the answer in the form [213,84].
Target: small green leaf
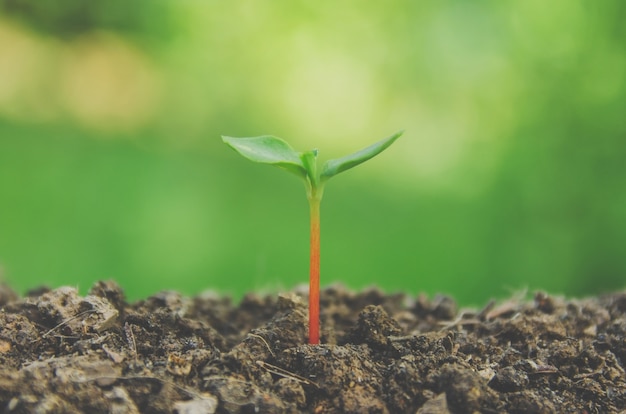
[334,167]
[271,150]
[309,160]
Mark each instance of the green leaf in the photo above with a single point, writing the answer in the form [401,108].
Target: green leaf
[309,160]
[338,165]
[267,149]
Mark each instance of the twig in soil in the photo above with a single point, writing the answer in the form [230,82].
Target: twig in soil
[130,338]
[539,368]
[459,321]
[273,369]
[265,342]
[486,309]
[65,322]
[511,306]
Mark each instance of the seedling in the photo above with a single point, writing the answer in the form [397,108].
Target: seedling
[271,150]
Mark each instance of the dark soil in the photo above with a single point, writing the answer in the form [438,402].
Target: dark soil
[63,353]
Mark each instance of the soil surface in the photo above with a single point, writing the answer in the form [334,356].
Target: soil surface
[65,353]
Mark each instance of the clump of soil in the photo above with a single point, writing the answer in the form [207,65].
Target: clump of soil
[64,353]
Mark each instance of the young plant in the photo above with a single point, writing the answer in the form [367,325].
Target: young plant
[274,151]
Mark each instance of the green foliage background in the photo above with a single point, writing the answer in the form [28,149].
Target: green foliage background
[511,173]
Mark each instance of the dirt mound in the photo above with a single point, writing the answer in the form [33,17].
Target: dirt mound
[63,353]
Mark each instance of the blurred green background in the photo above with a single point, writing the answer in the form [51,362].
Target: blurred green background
[511,173]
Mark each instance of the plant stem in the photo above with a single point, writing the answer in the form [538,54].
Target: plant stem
[314,271]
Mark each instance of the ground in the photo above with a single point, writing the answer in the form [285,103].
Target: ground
[65,353]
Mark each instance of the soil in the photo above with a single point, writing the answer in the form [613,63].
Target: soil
[65,353]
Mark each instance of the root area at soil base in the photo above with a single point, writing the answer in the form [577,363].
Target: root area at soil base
[65,353]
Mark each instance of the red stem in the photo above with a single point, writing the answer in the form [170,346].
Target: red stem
[314,275]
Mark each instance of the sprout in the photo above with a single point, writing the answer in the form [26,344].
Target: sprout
[271,150]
